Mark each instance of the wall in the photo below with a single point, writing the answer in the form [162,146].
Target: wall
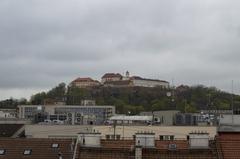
[126,131]
[149,83]
[227,119]
[90,139]
[199,140]
[45,131]
[145,140]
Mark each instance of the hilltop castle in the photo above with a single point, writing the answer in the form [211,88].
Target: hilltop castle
[118,80]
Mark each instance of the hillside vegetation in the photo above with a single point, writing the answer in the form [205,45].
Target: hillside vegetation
[136,99]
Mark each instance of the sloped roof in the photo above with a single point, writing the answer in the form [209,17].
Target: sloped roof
[40,148]
[85,79]
[112,75]
[8,130]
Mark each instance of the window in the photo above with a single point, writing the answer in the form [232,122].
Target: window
[108,137]
[172,146]
[27,152]
[55,145]
[2,151]
[161,137]
[166,137]
[62,117]
[118,137]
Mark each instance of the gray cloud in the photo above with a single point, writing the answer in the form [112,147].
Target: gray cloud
[46,42]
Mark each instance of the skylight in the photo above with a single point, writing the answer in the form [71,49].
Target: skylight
[27,152]
[55,145]
[2,151]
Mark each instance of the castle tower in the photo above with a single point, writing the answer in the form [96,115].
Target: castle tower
[127,74]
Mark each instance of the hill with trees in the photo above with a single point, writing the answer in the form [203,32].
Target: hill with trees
[137,99]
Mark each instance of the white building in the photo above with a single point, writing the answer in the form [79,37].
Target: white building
[8,113]
[117,80]
[109,77]
[72,114]
[143,82]
[228,119]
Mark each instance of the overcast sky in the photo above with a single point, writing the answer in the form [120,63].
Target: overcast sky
[45,42]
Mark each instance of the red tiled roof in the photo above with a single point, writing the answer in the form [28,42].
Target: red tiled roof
[110,149]
[112,75]
[40,148]
[85,79]
[230,145]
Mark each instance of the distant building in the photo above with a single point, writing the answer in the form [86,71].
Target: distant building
[117,80]
[84,83]
[135,119]
[88,102]
[50,101]
[144,82]
[165,117]
[126,83]
[185,119]
[68,114]
[8,113]
[216,111]
[111,77]
[229,119]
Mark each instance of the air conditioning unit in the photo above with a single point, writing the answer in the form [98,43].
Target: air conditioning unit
[172,147]
[78,114]
[70,115]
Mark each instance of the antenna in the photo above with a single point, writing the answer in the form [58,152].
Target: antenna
[232,102]
[173,93]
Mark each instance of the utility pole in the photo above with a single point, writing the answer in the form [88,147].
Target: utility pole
[114,129]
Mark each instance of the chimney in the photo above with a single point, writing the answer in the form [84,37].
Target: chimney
[138,152]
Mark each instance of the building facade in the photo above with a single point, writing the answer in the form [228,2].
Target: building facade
[165,117]
[69,114]
[117,80]
[143,82]
[111,77]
